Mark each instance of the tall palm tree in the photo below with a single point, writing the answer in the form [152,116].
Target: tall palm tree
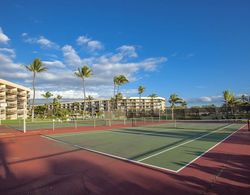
[184,104]
[35,67]
[152,96]
[115,82]
[228,98]
[89,98]
[83,73]
[173,100]
[141,90]
[118,80]
[47,95]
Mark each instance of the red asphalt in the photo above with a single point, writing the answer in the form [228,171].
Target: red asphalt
[35,165]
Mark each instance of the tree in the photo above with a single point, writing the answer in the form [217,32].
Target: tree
[83,73]
[56,104]
[118,81]
[35,67]
[184,104]
[173,100]
[152,96]
[47,95]
[230,100]
[141,90]
[89,98]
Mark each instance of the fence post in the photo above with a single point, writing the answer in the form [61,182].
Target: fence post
[24,124]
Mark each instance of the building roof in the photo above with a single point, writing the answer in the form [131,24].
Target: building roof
[5,82]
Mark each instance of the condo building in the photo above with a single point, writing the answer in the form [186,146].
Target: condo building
[131,105]
[13,100]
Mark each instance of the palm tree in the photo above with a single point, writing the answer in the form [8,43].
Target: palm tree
[83,73]
[173,100]
[118,81]
[89,98]
[228,99]
[35,67]
[47,95]
[152,96]
[184,104]
[121,81]
[56,103]
[141,90]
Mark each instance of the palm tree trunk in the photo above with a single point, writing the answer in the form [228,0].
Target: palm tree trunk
[84,95]
[34,95]
[172,110]
[140,105]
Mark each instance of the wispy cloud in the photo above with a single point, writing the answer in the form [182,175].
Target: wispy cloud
[41,40]
[91,44]
[3,37]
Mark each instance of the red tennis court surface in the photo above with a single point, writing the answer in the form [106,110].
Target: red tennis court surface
[34,165]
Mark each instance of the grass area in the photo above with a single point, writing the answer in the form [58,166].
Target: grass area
[157,145]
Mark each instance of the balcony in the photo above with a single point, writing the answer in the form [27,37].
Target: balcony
[11,98]
[11,105]
[11,111]
[11,92]
[22,94]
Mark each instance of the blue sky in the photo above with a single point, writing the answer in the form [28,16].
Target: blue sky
[196,49]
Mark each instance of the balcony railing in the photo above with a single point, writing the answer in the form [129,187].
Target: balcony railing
[22,94]
[11,92]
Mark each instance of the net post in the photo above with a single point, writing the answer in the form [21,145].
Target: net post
[53,124]
[110,122]
[75,124]
[152,119]
[144,120]
[124,121]
[174,123]
[159,115]
[24,118]
[94,123]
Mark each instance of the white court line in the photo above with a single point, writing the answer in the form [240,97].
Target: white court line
[210,149]
[110,155]
[168,149]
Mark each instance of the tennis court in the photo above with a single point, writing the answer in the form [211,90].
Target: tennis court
[169,146]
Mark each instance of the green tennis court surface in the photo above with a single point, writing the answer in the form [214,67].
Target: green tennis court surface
[165,146]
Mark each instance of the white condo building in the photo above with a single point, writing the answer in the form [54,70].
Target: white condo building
[13,100]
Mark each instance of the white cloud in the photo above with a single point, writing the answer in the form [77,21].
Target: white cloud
[41,40]
[91,44]
[71,57]
[60,78]
[150,64]
[3,37]
[94,45]
[82,40]
[10,69]
[54,64]
[8,51]
[205,99]
[127,50]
